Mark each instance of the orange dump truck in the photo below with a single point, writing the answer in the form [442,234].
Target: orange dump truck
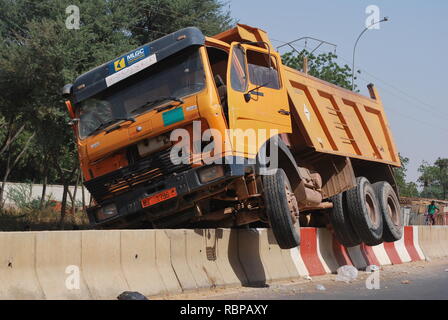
[193,131]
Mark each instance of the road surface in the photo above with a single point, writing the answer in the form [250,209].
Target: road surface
[412,281]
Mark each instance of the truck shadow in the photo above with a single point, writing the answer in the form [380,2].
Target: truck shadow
[244,257]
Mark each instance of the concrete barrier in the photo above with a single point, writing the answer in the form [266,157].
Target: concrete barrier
[58,265]
[43,265]
[404,250]
[18,278]
[227,257]
[341,253]
[401,250]
[357,257]
[411,244]
[201,257]
[163,262]
[433,241]
[178,255]
[327,250]
[381,255]
[139,262]
[250,258]
[297,260]
[310,253]
[427,242]
[274,261]
[101,263]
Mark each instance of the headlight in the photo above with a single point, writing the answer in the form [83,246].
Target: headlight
[107,211]
[210,173]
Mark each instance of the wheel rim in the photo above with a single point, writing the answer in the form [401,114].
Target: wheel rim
[292,201]
[372,210]
[392,211]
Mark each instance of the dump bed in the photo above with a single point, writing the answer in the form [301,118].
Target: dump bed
[338,121]
[330,119]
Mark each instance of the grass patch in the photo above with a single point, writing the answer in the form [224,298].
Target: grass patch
[39,220]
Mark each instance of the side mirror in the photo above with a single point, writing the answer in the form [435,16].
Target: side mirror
[67,90]
[248,94]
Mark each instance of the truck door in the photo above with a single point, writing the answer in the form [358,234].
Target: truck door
[257,96]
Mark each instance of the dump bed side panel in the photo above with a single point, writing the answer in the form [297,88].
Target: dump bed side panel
[338,121]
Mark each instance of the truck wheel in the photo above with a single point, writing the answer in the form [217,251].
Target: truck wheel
[339,218]
[281,209]
[364,212]
[390,210]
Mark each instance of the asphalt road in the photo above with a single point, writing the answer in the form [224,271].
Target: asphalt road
[413,281]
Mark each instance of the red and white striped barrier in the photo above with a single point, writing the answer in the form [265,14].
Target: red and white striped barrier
[320,253]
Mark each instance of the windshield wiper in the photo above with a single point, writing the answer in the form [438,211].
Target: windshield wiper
[158,100]
[106,124]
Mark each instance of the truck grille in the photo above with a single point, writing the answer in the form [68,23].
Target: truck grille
[146,171]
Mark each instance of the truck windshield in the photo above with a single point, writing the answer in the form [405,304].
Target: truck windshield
[177,76]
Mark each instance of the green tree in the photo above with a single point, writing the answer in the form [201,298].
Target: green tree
[155,18]
[38,55]
[434,179]
[406,189]
[323,66]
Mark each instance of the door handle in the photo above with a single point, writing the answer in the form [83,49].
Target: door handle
[284,112]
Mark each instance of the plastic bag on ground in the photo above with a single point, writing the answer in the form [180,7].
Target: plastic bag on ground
[346,273]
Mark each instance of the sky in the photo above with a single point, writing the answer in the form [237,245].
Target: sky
[406,58]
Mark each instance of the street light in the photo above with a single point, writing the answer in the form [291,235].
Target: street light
[356,43]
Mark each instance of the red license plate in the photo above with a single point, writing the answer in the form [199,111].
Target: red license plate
[159,197]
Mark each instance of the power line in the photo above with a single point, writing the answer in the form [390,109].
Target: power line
[408,97]
[389,109]
[411,99]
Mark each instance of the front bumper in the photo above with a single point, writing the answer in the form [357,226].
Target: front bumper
[188,187]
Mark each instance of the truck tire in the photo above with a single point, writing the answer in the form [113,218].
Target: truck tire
[390,210]
[281,209]
[342,226]
[364,212]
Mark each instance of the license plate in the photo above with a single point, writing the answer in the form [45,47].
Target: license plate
[159,197]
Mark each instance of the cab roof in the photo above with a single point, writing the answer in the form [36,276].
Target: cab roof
[126,65]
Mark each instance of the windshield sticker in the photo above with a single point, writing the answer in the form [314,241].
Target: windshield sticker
[137,64]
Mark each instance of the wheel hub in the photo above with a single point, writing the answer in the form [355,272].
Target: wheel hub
[292,203]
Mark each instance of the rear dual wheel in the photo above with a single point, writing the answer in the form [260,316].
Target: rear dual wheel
[340,220]
[364,212]
[367,213]
[390,210]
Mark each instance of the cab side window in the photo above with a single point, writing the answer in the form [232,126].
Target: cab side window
[261,72]
[238,75]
